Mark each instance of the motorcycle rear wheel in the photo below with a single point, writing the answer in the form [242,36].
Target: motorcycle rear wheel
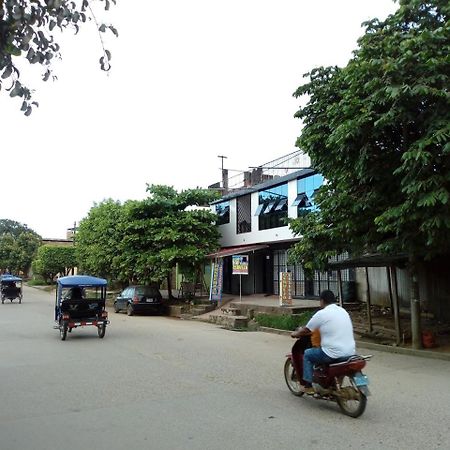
[290,375]
[63,330]
[351,407]
[101,330]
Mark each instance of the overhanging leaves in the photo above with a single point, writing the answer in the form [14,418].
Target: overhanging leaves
[378,130]
[26,30]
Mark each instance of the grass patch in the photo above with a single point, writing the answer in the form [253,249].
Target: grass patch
[37,282]
[285,322]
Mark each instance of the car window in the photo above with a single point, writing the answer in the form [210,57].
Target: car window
[126,292]
[147,291]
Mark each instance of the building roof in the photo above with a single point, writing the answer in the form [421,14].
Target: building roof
[267,184]
[229,251]
[57,241]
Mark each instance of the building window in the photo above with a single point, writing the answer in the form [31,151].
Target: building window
[306,190]
[223,213]
[243,214]
[272,210]
[310,285]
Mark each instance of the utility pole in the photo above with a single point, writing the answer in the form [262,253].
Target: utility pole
[224,175]
[222,157]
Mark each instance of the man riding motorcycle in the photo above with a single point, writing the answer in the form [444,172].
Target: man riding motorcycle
[336,333]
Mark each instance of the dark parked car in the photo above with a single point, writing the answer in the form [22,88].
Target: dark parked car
[139,299]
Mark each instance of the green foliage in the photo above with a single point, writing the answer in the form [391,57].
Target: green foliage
[164,230]
[52,260]
[98,238]
[18,246]
[284,322]
[27,32]
[141,241]
[378,130]
[37,281]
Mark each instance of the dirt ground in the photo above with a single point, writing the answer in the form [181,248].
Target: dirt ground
[437,334]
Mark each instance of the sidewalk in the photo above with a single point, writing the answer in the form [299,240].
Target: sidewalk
[271,304]
[270,301]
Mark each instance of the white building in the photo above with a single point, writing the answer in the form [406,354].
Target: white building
[254,221]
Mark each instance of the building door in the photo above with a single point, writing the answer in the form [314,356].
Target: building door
[259,272]
[268,287]
[227,275]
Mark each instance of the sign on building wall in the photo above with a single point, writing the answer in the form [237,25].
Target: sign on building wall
[285,289]
[240,264]
[215,292]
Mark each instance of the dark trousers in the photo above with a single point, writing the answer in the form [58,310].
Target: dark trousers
[298,349]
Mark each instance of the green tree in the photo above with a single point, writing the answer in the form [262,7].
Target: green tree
[378,130]
[27,32]
[164,230]
[98,238]
[52,260]
[18,246]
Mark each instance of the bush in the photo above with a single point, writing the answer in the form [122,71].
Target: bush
[116,285]
[285,322]
[37,282]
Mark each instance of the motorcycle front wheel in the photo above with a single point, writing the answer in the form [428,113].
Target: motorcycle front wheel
[290,375]
[353,402]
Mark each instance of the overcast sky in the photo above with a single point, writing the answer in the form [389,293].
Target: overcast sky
[190,80]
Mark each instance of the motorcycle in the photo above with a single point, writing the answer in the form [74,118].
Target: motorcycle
[342,381]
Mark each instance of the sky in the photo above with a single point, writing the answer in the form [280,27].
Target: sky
[190,80]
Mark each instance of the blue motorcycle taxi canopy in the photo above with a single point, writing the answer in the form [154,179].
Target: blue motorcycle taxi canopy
[8,277]
[81,280]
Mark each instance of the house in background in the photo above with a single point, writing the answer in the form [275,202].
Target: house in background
[69,241]
[253,221]
[57,242]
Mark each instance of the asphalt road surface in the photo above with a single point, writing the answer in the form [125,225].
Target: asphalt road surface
[160,383]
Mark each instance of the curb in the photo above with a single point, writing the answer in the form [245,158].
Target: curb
[379,347]
[404,351]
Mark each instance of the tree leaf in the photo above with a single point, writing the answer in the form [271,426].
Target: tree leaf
[377,129]
[29,33]
[7,72]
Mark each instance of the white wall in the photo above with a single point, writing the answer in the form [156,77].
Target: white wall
[230,238]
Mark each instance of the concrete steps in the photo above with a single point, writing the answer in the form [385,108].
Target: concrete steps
[252,310]
[238,314]
[189,311]
[231,322]
[229,317]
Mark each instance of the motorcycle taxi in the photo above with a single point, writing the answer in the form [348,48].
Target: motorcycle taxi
[10,288]
[80,302]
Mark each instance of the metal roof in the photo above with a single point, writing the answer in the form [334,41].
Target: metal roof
[229,251]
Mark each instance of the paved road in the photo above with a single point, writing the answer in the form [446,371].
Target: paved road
[159,383]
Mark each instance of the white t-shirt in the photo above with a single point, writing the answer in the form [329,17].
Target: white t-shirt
[336,331]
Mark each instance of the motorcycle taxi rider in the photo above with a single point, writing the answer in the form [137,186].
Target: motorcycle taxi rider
[336,333]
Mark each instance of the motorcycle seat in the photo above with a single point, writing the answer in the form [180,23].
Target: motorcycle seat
[340,361]
[345,360]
